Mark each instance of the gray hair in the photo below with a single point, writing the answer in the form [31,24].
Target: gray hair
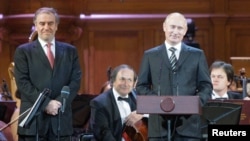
[47,10]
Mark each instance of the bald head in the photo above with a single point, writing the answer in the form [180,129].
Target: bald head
[175,28]
[176,15]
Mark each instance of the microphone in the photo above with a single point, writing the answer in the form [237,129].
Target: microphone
[159,79]
[64,94]
[35,109]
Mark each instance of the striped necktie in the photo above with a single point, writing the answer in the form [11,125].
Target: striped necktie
[173,59]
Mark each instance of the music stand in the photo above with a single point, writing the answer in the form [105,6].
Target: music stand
[168,105]
[35,111]
[220,113]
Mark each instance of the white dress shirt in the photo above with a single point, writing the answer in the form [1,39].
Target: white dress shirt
[123,107]
[216,96]
[177,47]
[44,45]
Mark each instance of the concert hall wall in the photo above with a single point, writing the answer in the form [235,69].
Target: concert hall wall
[222,30]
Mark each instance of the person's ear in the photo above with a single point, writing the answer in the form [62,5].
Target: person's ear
[163,26]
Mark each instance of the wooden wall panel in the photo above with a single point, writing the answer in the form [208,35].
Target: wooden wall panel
[223,30]
[238,7]
[110,49]
[238,37]
[203,37]
[147,6]
[30,6]
[3,6]
[219,29]
[239,42]
[4,62]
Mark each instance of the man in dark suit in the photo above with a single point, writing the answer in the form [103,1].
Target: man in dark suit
[34,72]
[174,69]
[109,114]
[222,75]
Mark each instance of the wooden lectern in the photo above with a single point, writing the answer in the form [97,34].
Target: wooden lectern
[171,105]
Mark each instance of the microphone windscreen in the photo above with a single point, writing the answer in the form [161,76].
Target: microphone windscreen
[65,92]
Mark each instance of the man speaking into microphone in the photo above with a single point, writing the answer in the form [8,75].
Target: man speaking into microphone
[47,63]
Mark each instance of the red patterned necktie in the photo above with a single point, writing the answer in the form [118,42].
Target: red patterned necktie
[50,55]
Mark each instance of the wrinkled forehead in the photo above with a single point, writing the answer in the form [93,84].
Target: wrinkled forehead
[125,73]
[41,14]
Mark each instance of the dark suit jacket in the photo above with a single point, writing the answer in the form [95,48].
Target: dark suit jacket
[105,120]
[234,95]
[33,73]
[191,78]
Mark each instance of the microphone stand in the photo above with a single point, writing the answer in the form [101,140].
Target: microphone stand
[59,124]
[169,130]
[244,87]
[37,127]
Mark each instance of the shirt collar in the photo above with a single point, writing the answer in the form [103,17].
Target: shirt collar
[215,95]
[116,94]
[177,46]
[43,43]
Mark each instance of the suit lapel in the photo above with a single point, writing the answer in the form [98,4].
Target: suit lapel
[114,105]
[133,101]
[164,55]
[183,54]
[59,53]
[40,54]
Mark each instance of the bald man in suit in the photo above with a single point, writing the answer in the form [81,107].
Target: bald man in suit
[187,76]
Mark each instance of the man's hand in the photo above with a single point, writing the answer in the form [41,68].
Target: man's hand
[132,118]
[53,107]
[246,98]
